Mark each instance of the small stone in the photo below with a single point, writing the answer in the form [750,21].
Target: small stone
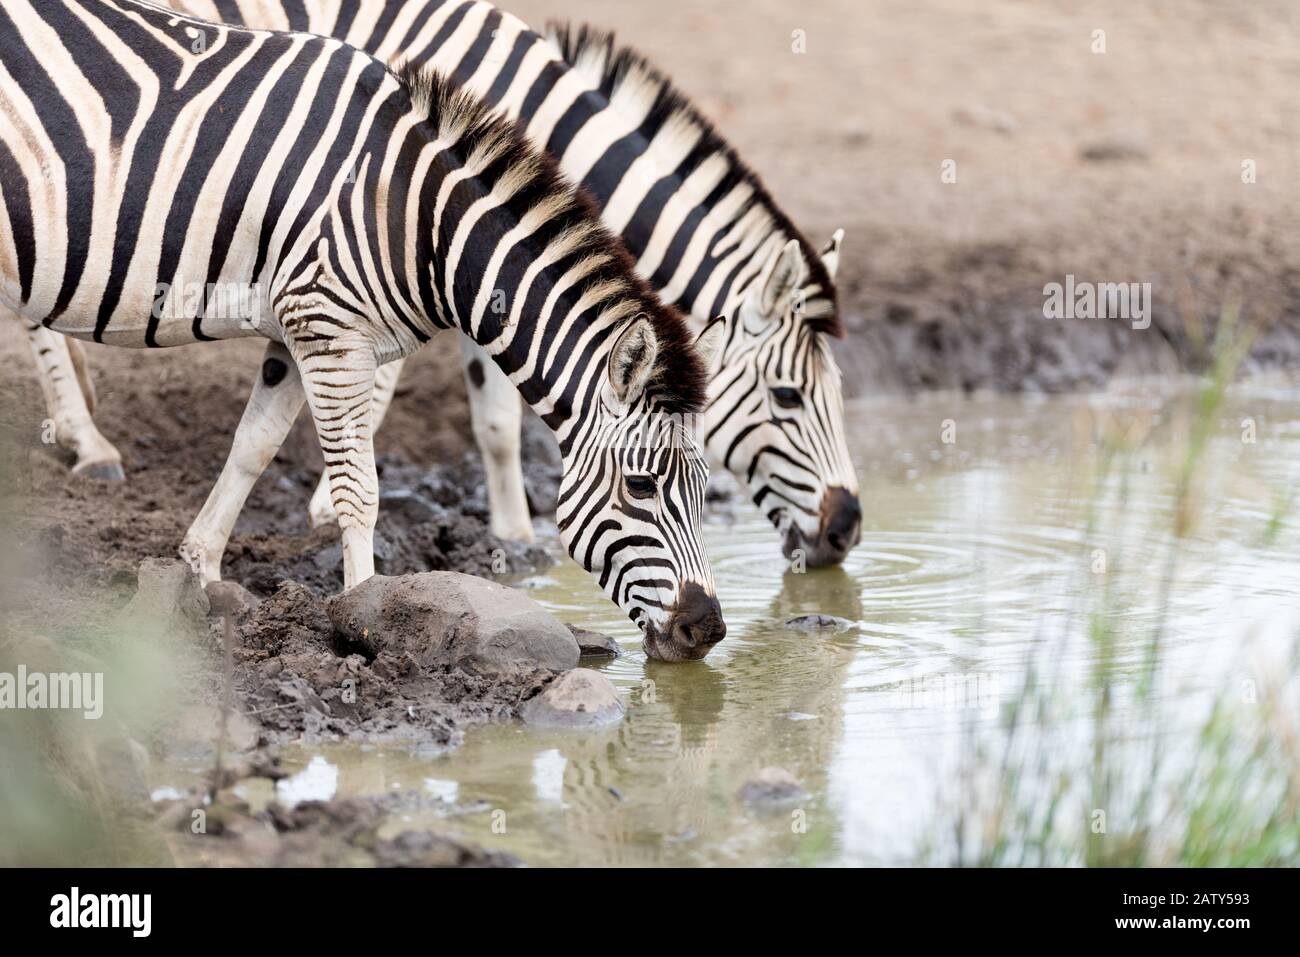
[192,734]
[772,787]
[170,598]
[577,699]
[811,623]
[231,598]
[592,644]
[799,716]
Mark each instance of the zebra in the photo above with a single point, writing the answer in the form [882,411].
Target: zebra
[363,210]
[699,223]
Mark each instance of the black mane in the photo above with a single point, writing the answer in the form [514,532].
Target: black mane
[669,102]
[680,380]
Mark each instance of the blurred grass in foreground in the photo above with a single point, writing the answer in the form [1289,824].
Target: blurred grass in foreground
[74,791]
[1091,772]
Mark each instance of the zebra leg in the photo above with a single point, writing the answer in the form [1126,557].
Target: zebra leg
[70,400]
[274,404]
[497,413]
[339,380]
[321,510]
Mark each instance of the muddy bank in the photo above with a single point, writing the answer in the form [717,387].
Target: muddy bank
[429,520]
[299,678]
[968,332]
[87,572]
[342,832]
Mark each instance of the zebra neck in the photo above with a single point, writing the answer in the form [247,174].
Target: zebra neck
[700,238]
[539,325]
[558,368]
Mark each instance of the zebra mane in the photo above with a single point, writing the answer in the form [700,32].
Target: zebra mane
[528,180]
[592,49]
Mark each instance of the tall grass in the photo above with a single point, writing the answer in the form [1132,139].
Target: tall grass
[1098,772]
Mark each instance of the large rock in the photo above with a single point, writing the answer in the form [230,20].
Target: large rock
[578,699]
[446,618]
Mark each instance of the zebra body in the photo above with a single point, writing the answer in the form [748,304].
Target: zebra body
[145,153]
[701,227]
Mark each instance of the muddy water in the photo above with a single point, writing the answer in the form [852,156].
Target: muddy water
[979,555]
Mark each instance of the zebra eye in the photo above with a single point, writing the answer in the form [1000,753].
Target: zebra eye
[640,486]
[787,398]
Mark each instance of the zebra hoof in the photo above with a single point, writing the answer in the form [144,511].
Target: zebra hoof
[102,471]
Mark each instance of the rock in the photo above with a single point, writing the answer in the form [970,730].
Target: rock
[123,766]
[446,618]
[168,597]
[577,699]
[772,787]
[231,598]
[592,644]
[411,506]
[811,623]
[423,849]
[192,734]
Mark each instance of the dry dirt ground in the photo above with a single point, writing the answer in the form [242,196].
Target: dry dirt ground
[1116,166]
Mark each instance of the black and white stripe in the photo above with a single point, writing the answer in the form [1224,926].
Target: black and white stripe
[145,153]
[699,223]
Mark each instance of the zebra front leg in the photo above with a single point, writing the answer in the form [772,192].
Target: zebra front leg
[69,399]
[497,414]
[321,509]
[340,383]
[274,404]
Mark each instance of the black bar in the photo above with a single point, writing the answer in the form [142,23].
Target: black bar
[336,907]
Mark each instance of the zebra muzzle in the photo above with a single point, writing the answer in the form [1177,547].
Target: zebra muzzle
[694,626]
[840,529]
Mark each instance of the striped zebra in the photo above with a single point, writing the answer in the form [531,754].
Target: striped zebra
[701,227]
[353,213]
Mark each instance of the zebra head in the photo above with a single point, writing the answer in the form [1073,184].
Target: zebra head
[632,491]
[776,411]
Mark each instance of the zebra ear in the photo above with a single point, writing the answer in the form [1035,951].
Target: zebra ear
[831,254]
[783,279]
[632,360]
[708,344]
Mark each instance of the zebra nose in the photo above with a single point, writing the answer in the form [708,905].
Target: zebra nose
[841,521]
[694,627]
[700,617]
